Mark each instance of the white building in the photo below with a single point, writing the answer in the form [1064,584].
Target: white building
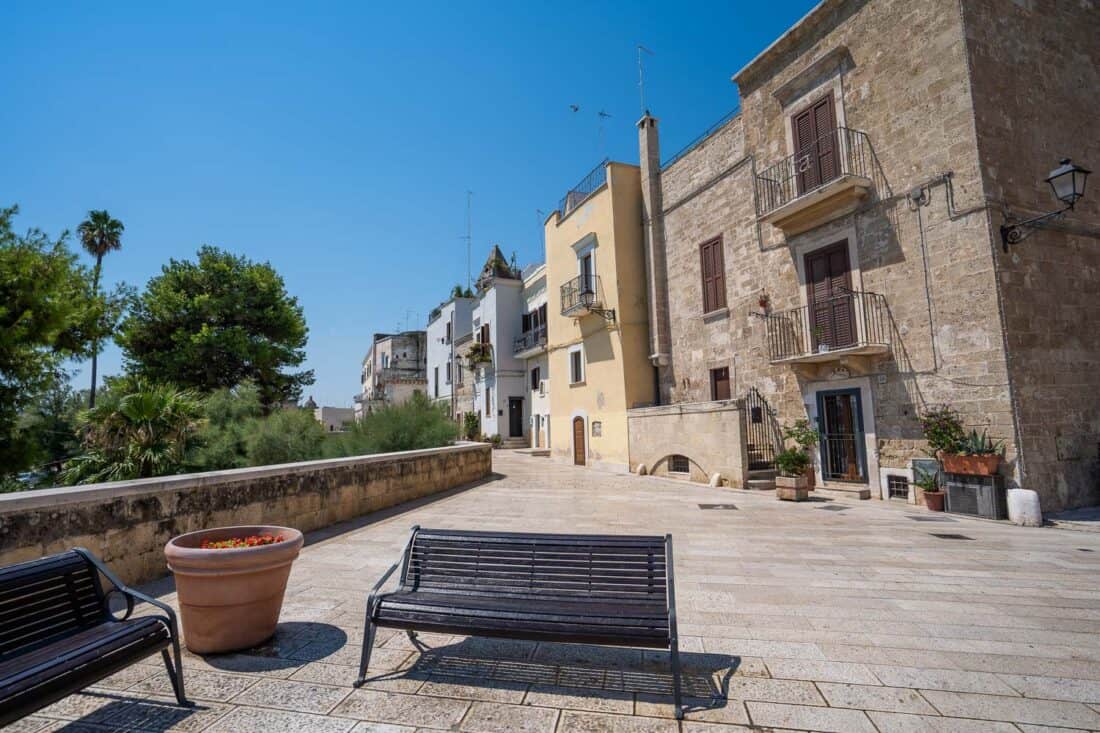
[500,378]
[530,346]
[393,370]
[446,323]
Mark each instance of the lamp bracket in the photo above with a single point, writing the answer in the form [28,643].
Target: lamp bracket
[1017,231]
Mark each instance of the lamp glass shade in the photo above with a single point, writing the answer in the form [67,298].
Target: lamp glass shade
[588,298]
[1068,182]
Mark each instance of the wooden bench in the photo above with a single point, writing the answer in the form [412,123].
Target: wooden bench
[591,589]
[58,634]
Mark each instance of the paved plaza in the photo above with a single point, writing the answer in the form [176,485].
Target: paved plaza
[823,616]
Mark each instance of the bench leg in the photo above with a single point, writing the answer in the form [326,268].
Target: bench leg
[368,643]
[677,700]
[175,674]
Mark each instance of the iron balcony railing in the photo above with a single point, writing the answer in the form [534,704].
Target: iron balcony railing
[573,198]
[839,152]
[580,294]
[846,321]
[529,339]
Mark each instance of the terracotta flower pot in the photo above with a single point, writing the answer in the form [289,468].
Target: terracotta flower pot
[230,599]
[971,465]
[934,500]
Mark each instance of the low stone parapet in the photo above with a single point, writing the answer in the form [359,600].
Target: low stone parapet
[127,523]
[710,435]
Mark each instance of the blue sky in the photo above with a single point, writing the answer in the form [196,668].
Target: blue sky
[337,140]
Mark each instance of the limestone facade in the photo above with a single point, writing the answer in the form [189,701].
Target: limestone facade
[951,130]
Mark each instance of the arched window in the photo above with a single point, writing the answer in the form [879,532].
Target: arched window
[679,464]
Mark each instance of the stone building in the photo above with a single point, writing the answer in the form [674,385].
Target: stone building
[444,322]
[834,248]
[393,370]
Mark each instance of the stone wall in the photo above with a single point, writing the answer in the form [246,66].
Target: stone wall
[932,262]
[127,523]
[710,434]
[1035,66]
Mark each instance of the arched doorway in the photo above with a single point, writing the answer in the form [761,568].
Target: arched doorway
[578,441]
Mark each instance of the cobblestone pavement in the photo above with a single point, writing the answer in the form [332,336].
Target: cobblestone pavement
[825,616]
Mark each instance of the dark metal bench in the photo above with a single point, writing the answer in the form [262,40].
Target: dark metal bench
[58,634]
[592,589]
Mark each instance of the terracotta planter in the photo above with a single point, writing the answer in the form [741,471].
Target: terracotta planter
[230,599]
[971,465]
[934,500]
[792,488]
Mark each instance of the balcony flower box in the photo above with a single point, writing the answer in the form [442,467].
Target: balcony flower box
[230,582]
[480,354]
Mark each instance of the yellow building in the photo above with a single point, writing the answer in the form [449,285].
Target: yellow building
[598,325]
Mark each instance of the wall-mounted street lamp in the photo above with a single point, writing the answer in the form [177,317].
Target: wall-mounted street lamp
[1067,181]
[588,300]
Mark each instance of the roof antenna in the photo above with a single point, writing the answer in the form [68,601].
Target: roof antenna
[641,75]
[468,238]
[603,116]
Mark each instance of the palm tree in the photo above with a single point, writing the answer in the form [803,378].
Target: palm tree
[99,234]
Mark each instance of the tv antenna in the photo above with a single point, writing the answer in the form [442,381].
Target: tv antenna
[603,116]
[641,74]
[468,237]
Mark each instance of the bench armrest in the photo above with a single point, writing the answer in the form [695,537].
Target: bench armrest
[130,594]
[392,569]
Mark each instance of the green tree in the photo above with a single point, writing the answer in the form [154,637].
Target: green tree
[49,313]
[230,416]
[414,424]
[215,323]
[139,429]
[50,425]
[99,234]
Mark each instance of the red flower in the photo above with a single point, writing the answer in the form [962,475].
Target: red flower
[235,542]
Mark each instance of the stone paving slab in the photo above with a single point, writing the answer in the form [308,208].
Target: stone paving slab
[791,619]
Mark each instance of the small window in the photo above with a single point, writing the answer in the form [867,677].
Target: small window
[448,372]
[448,332]
[679,464]
[535,377]
[897,487]
[720,383]
[576,366]
[488,401]
[714,275]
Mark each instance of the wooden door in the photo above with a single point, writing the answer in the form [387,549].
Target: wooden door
[515,417]
[578,441]
[829,297]
[815,144]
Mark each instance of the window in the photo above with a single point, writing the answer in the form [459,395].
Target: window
[576,366]
[679,464]
[897,487]
[720,383]
[435,382]
[526,325]
[814,133]
[448,375]
[535,373]
[448,332]
[587,273]
[488,401]
[483,334]
[714,275]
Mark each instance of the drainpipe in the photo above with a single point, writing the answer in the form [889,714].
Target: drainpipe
[654,230]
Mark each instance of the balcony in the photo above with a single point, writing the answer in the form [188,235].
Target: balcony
[588,185]
[582,295]
[825,180]
[850,324]
[530,343]
[402,374]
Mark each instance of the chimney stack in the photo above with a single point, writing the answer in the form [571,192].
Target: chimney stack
[653,222]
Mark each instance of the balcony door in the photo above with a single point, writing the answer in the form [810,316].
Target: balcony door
[829,298]
[815,144]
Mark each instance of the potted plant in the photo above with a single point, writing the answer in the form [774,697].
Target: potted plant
[794,464]
[230,583]
[479,353]
[977,455]
[943,431]
[930,489]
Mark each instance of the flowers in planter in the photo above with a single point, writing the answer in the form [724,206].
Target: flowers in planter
[943,429]
[233,543]
[970,454]
[480,353]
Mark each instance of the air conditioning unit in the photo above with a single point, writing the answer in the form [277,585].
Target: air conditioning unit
[979,496]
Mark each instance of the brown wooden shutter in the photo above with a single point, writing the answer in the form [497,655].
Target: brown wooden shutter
[805,157]
[712,269]
[720,383]
[828,290]
[824,124]
[719,274]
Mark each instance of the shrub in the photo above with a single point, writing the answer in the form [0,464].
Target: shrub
[792,462]
[412,425]
[804,436]
[471,425]
[496,440]
[285,436]
[943,430]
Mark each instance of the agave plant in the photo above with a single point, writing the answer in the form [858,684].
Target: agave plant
[981,445]
[138,430]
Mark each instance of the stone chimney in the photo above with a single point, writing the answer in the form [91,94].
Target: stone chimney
[656,271]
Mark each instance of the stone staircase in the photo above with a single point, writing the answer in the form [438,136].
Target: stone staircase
[761,479]
[514,443]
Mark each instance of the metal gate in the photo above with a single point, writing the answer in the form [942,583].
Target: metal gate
[764,437]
